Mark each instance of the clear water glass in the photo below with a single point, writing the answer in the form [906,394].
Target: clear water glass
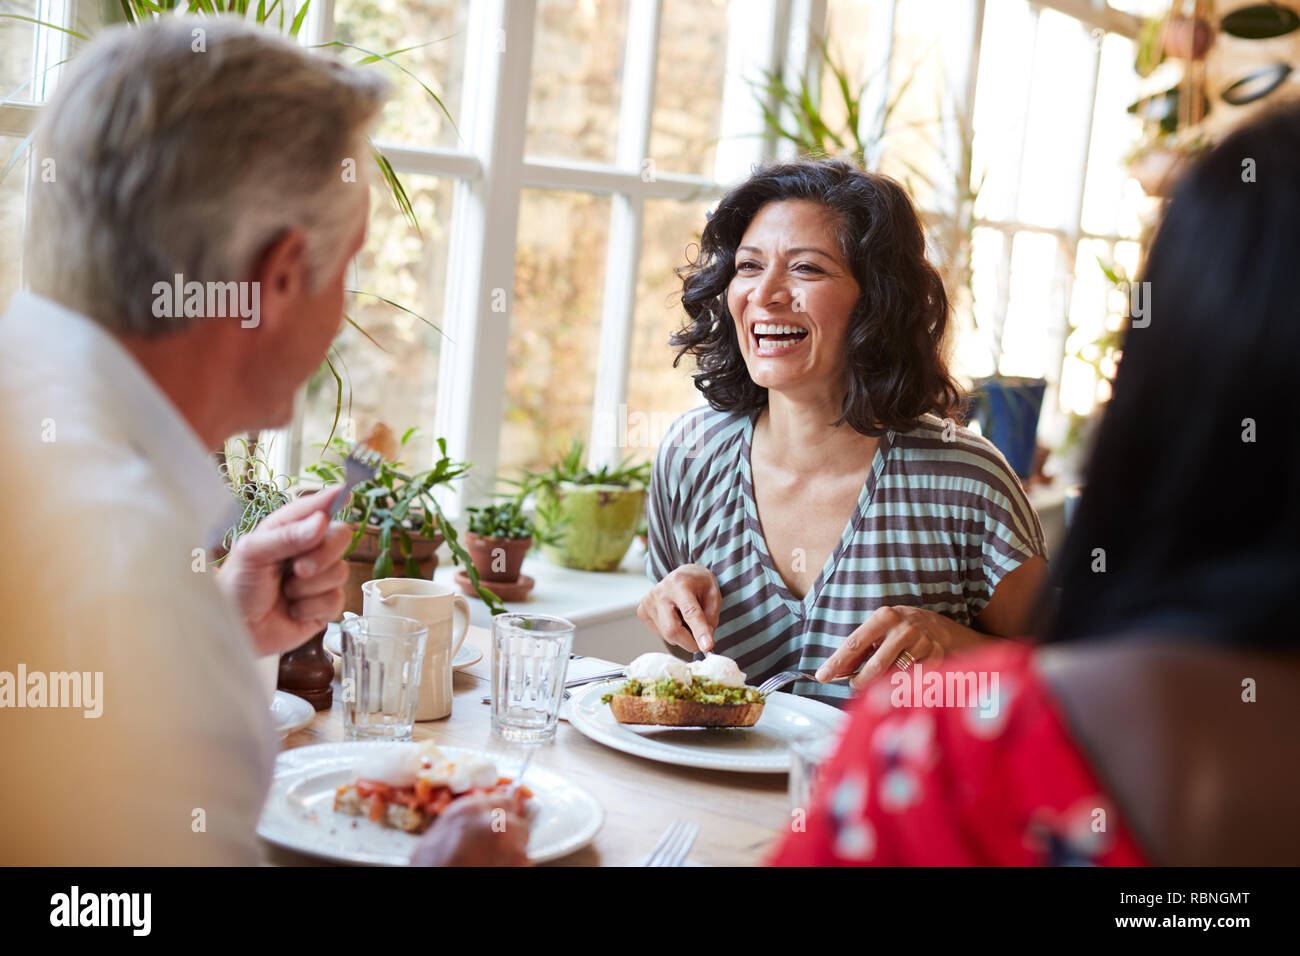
[382,662]
[809,754]
[530,657]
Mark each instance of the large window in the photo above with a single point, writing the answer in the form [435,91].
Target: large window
[588,140]
[1052,131]
[554,334]
[30,59]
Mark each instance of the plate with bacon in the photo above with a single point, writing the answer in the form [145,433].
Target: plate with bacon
[368,802]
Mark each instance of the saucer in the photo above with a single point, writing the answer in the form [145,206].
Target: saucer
[505,590]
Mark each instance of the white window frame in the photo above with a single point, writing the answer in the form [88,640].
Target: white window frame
[491,171]
[1091,13]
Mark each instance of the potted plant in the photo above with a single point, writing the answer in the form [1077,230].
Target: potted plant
[1007,409]
[253,482]
[498,538]
[397,523]
[587,518]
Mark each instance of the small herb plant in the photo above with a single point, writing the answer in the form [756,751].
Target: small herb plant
[507,520]
[254,483]
[504,520]
[399,504]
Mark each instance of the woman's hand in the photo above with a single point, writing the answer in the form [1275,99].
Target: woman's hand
[475,831]
[683,608]
[889,631]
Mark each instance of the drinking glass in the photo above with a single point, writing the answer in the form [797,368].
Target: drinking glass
[808,754]
[382,660]
[530,656]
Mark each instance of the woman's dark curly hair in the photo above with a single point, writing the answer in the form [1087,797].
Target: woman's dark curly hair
[897,369]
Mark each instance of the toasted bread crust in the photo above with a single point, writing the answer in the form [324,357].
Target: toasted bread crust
[396,816]
[682,713]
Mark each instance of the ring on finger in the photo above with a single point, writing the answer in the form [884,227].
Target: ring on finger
[904,660]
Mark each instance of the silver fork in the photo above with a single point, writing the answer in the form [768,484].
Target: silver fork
[673,846]
[523,769]
[789,677]
[360,465]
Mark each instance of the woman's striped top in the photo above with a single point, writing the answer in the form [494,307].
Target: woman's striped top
[940,520]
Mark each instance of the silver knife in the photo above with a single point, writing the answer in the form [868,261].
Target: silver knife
[580,681]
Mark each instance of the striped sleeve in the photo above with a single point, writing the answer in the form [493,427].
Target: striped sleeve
[1012,532]
[666,545]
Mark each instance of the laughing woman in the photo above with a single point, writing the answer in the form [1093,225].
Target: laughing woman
[825,512]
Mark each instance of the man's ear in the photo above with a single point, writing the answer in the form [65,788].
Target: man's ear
[281,271]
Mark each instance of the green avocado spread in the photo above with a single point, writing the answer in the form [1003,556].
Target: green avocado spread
[700,692]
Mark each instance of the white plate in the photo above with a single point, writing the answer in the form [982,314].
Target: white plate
[289,712]
[763,748]
[465,657]
[299,811]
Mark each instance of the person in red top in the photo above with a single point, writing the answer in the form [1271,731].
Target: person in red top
[1156,722]
[997,783]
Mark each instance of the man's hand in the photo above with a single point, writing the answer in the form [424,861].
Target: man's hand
[475,831]
[684,607]
[282,608]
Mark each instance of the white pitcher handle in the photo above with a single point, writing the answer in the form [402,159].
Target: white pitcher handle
[460,609]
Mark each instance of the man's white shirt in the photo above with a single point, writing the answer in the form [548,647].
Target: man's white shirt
[116,506]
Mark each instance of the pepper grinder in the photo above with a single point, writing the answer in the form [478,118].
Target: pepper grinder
[308,671]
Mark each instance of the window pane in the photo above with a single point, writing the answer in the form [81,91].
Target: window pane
[1142,8]
[1035,307]
[396,380]
[1060,95]
[411,115]
[555,326]
[573,104]
[1001,96]
[857,39]
[976,347]
[688,85]
[1093,310]
[656,392]
[16,49]
[922,90]
[1113,202]
[11,220]
[850,30]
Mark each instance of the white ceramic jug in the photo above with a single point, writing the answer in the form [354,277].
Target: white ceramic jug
[436,607]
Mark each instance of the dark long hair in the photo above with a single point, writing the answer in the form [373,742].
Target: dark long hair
[1191,495]
[897,370]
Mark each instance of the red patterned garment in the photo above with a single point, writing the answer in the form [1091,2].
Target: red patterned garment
[1000,783]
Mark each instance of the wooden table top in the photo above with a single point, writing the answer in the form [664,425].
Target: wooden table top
[740,814]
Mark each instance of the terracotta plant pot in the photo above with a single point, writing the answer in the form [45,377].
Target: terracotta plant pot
[599,523]
[497,559]
[1188,39]
[361,562]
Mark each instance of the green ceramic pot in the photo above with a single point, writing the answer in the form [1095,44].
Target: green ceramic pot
[598,522]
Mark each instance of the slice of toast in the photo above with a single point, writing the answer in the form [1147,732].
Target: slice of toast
[682,713]
[348,801]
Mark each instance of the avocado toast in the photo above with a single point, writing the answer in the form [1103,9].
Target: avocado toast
[678,698]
